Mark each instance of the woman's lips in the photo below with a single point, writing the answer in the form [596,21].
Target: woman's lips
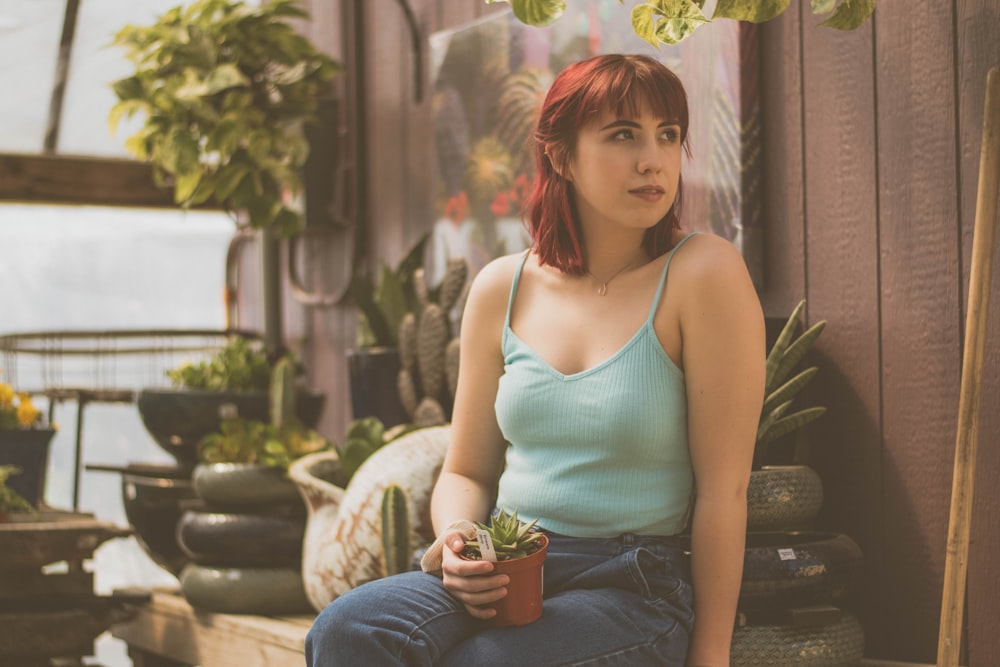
[651,193]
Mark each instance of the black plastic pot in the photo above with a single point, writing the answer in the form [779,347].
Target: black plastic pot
[179,418]
[798,568]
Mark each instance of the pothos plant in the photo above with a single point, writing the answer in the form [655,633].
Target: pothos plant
[670,21]
[225,87]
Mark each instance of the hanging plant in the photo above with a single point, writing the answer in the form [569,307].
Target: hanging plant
[226,88]
[670,21]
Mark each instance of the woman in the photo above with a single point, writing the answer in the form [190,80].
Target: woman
[623,362]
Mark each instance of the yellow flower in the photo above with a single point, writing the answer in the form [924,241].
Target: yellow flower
[27,413]
[6,395]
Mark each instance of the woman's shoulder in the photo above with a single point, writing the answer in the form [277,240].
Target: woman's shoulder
[492,284]
[705,256]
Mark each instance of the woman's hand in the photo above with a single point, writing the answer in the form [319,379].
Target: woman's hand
[471,582]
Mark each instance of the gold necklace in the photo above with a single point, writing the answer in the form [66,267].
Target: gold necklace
[603,289]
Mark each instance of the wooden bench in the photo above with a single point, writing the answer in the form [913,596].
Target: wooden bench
[168,632]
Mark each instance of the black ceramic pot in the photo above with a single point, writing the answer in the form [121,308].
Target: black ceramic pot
[232,539]
[179,418]
[155,499]
[29,451]
[372,373]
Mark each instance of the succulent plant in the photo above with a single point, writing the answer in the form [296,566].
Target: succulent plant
[428,350]
[779,390]
[511,537]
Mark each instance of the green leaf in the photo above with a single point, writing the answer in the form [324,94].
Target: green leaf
[179,152]
[797,350]
[792,422]
[822,6]
[224,76]
[781,345]
[755,11]
[787,391]
[537,13]
[123,109]
[228,179]
[129,88]
[850,14]
[186,185]
[667,21]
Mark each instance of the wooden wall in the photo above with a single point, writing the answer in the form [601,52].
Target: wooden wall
[872,144]
[870,168]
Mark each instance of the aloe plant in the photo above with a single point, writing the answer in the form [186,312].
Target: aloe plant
[780,391]
[511,537]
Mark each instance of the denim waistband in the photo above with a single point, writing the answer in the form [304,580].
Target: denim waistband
[660,544]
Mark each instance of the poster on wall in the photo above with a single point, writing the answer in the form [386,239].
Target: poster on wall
[489,79]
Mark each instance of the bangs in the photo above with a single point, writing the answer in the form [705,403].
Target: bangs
[627,90]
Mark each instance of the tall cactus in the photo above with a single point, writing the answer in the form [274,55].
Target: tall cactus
[396,550]
[429,351]
[283,377]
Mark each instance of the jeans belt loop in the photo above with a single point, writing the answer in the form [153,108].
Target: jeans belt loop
[628,539]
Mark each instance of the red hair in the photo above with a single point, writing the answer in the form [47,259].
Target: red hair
[581,91]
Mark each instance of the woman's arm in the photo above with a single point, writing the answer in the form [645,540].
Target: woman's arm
[466,487]
[723,351]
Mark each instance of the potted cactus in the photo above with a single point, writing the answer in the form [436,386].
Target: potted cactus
[428,349]
[519,552]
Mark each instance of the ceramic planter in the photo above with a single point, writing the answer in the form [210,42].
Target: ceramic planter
[29,451]
[783,498]
[523,603]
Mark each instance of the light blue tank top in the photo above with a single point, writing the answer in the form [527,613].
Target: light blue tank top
[600,452]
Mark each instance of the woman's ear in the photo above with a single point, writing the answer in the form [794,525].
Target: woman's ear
[559,164]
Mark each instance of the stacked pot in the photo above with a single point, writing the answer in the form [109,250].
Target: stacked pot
[796,581]
[245,546]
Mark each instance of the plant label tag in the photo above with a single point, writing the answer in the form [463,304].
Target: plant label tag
[786,554]
[486,546]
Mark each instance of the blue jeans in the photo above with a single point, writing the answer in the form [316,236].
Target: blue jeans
[618,601]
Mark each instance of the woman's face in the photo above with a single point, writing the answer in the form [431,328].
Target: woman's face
[626,169]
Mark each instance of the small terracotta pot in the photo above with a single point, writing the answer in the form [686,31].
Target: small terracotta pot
[523,603]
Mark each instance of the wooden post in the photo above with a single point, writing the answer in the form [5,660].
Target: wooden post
[983,240]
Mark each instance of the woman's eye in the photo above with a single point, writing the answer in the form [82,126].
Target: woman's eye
[670,135]
[622,135]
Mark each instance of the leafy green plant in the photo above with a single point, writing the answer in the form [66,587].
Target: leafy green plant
[275,444]
[780,391]
[670,21]
[241,365]
[11,500]
[511,538]
[226,88]
[384,303]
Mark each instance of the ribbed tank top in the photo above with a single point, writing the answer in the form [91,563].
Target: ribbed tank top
[600,452]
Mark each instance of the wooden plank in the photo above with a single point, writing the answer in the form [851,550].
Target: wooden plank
[841,256]
[169,627]
[782,181]
[977,36]
[921,314]
[81,180]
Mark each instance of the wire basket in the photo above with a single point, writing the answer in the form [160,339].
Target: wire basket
[106,365]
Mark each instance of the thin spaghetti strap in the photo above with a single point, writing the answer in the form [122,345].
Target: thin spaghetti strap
[663,277]
[513,286]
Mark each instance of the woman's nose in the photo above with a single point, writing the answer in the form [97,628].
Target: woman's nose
[649,159]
